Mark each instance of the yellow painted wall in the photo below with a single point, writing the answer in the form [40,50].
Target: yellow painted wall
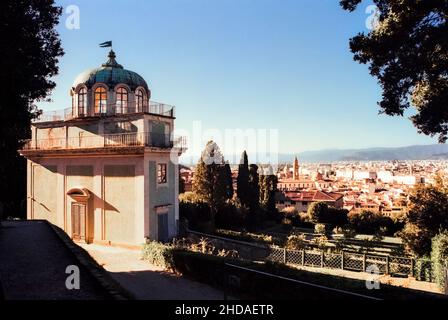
[43,198]
[119,203]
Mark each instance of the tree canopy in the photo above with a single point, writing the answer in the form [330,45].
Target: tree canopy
[427,216]
[29,51]
[407,53]
[318,211]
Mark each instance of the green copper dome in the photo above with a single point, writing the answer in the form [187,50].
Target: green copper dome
[111,73]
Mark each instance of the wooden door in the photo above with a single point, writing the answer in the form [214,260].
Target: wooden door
[79,221]
[162,227]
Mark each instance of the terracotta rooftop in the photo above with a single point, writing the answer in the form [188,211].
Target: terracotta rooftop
[310,196]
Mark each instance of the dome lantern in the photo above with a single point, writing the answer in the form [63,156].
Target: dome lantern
[112,62]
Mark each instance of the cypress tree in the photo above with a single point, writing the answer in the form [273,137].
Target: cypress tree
[242,190]
[254,188]
[270,192]
[227,177]
[262,187]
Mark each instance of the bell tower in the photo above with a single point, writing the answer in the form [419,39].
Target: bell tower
[295,174]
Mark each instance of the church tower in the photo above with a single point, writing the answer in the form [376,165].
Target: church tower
[295,174]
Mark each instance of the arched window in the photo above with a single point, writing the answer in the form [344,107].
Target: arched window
[100,100]
[122,100]
[140,100]
[82,102]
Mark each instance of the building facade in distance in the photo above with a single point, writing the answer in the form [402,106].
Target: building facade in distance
[105,170]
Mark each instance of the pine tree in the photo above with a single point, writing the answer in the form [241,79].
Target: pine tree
[406,51]
[242,190]
[29,55]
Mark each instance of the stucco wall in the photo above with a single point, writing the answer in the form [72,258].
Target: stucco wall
[119,202]
[127,214]
[43,198]
[162,194]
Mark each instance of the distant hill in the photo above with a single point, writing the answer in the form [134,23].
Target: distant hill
[418,152]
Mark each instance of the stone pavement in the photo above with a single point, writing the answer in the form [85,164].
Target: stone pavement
[145,281]
[33,261]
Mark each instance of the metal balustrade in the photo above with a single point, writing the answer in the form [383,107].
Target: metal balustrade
[133,139]
[106,110]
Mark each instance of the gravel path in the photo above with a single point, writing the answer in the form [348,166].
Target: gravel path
[145,281]
[33,261]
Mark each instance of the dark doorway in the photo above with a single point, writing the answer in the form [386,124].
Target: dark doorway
[162,226]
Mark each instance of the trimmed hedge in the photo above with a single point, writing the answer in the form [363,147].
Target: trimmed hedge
[439,257]
[246,236]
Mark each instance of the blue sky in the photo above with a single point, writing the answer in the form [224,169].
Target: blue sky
[241,64]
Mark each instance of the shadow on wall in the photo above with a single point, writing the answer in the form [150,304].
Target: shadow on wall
[96,203]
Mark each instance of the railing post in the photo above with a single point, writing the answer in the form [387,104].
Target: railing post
[387,265]
[284,255]
[322,257]
[303,257]
[412,267]
[364,262]
[342,260]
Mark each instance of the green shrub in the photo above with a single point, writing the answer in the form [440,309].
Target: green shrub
[318,211]
[336,217]
[369,222]
[231,215]
[158,254]
[320,242]
[296,242]
[415,239]
[439,257]
[297,219]
[423,269]
[197,214]
[322,228]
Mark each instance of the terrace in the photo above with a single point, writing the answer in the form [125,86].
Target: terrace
[102,110]
[116,140]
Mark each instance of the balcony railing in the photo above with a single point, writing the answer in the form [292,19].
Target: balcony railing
[106,110]
[135,139]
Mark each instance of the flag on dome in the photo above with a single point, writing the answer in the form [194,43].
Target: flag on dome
[106,44]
